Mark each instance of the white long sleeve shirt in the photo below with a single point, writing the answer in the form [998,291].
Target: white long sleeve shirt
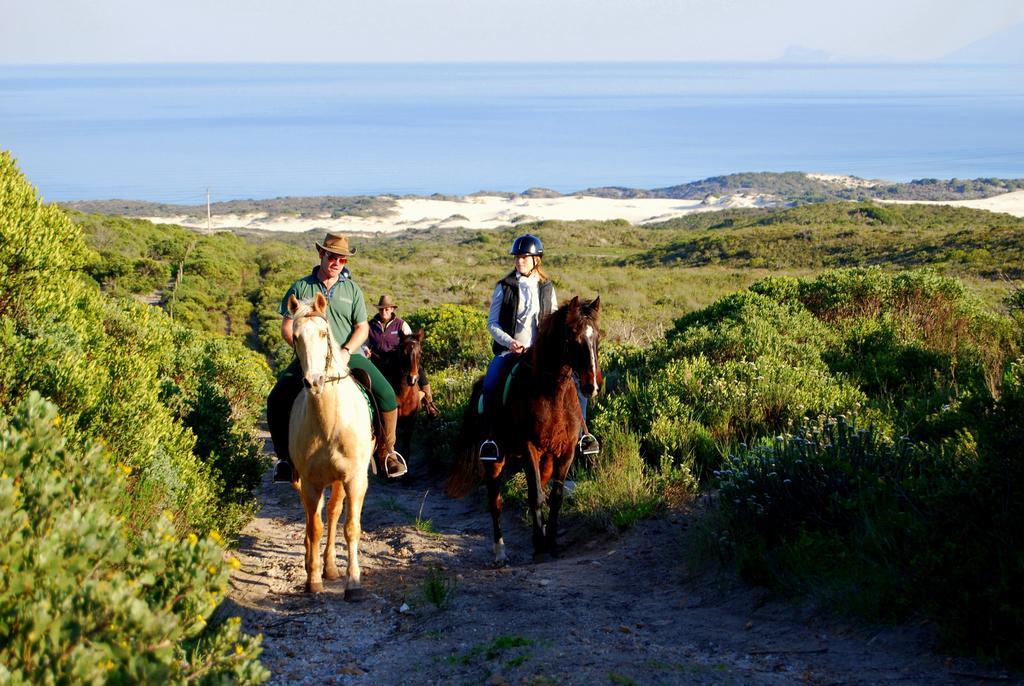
[527,313]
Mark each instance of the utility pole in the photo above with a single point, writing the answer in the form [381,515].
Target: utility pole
[209,228]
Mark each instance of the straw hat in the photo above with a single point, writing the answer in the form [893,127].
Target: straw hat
[386,301]
[337,244]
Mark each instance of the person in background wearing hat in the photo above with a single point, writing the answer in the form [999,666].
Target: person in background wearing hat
[386,331]
[346,312]
[520,301]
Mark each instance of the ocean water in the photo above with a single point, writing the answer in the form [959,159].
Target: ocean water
[168,132]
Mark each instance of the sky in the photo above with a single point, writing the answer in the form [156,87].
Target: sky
[134,31]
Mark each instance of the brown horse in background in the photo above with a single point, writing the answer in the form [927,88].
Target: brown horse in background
[401,367]
[539,426]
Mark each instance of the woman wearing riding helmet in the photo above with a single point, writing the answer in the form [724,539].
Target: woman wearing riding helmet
[520,301]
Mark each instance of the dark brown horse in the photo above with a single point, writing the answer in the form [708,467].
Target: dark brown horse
[539,426]
[401,367]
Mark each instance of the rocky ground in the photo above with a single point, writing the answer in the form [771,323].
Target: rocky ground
[624,609]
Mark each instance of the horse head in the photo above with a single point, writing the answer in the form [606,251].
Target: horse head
[410,348]
[312,340]
[582,337]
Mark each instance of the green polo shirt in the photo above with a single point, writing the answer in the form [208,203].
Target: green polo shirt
[346,305]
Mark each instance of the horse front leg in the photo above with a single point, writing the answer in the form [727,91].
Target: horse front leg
[312,503]
[355,489]
[495,504]
[555,498]
[536,498]
[334,506]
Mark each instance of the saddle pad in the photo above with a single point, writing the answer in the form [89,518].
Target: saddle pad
[481,403]
[369,401]
[363,384]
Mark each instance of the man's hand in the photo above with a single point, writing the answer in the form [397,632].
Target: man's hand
[517,347]
[430,407]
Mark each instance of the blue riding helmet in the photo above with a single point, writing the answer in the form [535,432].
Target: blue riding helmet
[527,244]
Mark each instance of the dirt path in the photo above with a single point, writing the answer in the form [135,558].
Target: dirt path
[622,610]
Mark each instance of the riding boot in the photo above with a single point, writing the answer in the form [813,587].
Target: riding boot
[390,460]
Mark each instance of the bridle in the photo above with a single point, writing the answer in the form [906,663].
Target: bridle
[561,374]
[328,363]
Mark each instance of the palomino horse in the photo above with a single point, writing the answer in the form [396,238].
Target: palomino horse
[539,426]
[401,367]
[331,443]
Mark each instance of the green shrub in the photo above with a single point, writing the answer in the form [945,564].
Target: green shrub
[86,599]
[888,528]
[456,335]
[123,373]
[616,490]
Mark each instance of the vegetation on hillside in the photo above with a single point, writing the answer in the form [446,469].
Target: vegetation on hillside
[862,428]
[959,240]
[313,206]
[125,439]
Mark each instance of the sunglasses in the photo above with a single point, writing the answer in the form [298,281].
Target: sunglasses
[334,257]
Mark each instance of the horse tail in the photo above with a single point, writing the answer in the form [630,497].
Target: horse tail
[466,471]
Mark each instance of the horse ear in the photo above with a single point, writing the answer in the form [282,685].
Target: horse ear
[293,304]
[574,304]
[419,335]
[320,303]
[594,306]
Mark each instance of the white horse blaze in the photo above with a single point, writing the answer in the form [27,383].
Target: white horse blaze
[593,356]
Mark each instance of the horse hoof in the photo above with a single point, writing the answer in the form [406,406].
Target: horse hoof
[500,564]
[354,595]
[540,558]
[314,587]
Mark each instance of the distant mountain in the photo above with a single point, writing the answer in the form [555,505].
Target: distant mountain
[800,187]
[1005,46]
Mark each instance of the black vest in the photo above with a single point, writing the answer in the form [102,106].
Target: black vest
[510,304]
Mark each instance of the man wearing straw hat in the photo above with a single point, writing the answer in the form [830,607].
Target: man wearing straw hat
[346,312]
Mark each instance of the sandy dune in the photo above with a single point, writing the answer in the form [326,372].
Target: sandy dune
[489,212]
[482,212]
[1010,203]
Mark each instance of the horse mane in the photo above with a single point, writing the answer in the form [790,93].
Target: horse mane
[548,349]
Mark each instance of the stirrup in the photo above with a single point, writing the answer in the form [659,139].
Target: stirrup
[489,451]
[394,471]
[588,445]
